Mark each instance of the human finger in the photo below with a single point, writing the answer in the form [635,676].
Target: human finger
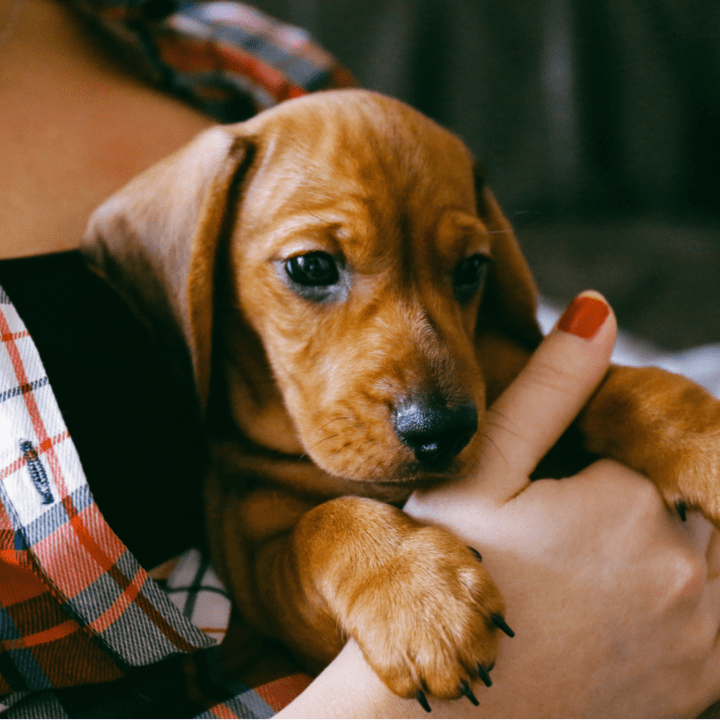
[536,409]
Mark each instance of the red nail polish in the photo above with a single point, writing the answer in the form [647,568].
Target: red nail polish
[584,317]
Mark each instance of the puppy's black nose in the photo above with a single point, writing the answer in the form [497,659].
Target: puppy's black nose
[434,432]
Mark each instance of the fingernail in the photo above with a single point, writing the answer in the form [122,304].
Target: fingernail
[584,317]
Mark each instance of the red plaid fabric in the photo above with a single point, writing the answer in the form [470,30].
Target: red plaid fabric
[227,57]
[76,609]
[75,606]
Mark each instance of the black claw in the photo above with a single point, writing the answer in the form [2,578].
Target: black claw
[468,693]
[681,508]
[475,552]
[420,697]
[484,675]
[499,620]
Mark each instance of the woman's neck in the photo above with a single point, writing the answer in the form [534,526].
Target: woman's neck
[73,128]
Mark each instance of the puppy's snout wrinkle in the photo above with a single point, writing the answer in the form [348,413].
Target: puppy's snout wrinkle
[433,431]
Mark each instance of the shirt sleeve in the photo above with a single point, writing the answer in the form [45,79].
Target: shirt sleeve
[225,57]
[83,627]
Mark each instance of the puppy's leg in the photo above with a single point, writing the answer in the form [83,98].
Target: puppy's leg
[418,601]
[664,426]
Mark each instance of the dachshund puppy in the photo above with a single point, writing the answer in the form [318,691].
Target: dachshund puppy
[350,298]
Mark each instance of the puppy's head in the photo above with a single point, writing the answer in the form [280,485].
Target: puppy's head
[342,277]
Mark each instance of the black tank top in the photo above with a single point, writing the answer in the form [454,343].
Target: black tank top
[136,429]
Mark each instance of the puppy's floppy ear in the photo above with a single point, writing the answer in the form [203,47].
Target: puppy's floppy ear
[157,239]
[510,299]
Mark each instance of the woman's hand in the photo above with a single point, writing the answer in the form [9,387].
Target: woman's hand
[615,601]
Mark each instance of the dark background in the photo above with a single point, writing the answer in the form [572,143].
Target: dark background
[598,122]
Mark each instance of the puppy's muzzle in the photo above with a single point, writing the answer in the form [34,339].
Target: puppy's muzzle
[433,431]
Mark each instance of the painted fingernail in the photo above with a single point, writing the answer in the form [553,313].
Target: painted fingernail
[420,697]
[499,621]
[484,675]
[475,552]
[681,508]
[468,693]
[584,317]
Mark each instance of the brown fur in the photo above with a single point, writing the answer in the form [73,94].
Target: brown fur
[299,393]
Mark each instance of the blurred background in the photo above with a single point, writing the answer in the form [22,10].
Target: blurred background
[598,124]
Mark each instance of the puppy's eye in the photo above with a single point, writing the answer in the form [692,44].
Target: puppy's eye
[315,269]
[469,276]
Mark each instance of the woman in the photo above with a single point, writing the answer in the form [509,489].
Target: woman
[76,126]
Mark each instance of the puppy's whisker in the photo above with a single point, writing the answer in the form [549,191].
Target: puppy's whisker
[330,422]
[322,440]
[370,442]
[344,446]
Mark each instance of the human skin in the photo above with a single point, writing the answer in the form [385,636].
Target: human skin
[614,600]
[74,128]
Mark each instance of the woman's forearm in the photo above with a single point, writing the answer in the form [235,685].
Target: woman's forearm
[349,688]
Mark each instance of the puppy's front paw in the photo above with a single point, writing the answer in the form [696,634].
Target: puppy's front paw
[664,426]
[430,621]
[684,457]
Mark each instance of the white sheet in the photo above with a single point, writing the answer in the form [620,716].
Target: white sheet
[701,364]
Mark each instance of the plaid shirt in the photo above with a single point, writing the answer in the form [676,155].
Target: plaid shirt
[225,57]
[83,628]
[75,606]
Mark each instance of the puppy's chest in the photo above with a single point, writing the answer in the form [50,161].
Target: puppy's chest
[265,512]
